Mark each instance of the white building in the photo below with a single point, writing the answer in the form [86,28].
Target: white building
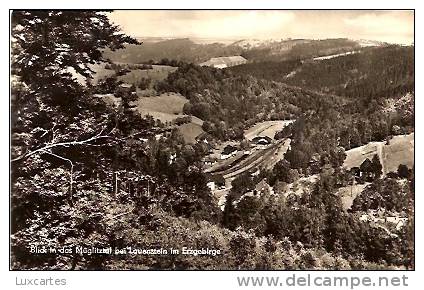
[225,61]
[211,185]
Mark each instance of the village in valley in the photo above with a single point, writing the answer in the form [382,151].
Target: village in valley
[259,150]
[288,152]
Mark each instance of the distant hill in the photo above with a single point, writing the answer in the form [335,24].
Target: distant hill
[254,43]
[381,71]
[374,72]
[179,49]
[297,49]
[187,50]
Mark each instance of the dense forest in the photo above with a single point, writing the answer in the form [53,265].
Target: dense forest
[229,103]
[376,72]
[77,163]
[85,173]
[188,51]
[298,49]
[317,219]
[177,49]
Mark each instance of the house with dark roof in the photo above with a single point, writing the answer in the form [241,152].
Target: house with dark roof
[209,160]
[215,181]
[228,151]
[262,140]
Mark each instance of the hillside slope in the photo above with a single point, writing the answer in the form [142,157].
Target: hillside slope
[400,150]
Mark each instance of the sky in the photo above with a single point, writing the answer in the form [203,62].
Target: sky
[387,26]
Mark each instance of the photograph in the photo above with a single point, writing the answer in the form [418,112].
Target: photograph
[211,140]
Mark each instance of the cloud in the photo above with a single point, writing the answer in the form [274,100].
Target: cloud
[390,26]
[244,24]
[202,23]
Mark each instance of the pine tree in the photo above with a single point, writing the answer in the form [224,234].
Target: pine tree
[376,165]
[63,138]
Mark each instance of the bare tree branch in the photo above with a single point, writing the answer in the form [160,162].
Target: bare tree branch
[64,144]
[119,215]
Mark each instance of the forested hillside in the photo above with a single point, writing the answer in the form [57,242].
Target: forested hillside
[299,49]
[229,103]
[79,165]
[88,171]
[188,51]
[176,49]
[371,73]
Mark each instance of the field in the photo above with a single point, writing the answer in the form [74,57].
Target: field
[400,150]
[190,131]
[166,107]
[266,128]
[158,73]
[349,193]
[335,55]
[100,72]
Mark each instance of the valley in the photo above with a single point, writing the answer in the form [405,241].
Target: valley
[288,153]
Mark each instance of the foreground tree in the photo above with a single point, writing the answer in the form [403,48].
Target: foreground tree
[51,56]
[85,171]
[61,134]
